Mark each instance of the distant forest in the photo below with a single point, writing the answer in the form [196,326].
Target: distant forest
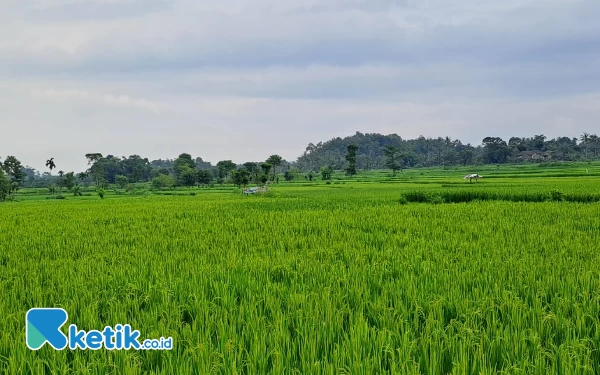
[429,152]
[351,154]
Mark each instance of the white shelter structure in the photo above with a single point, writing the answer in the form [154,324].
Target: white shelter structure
[255,190]
[472,177]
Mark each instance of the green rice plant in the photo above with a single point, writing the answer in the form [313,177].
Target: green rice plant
[314,279]
[463,196]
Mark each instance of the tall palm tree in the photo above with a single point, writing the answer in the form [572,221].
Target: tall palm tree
[585,139]
[595,142]
[50,164]
[61,181]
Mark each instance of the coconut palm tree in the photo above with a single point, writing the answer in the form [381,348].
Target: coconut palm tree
[585,139]
[595,142]
[50,164]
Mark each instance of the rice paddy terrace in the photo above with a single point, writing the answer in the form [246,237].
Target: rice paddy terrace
[422,273]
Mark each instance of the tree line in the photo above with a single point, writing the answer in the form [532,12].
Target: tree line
[125,172]
[358,152]
[377,151]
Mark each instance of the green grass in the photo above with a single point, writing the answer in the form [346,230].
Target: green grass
[469,195]
[315,278]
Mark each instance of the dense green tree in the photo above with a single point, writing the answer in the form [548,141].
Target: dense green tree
[517,143]
[96,169]
[183,163]
[561,148]
[202,165]
[539,142]
[69,181]
[496,151]
[254,170]
[163,181]
[203,177]
[275,161]
[241,177]
[266,168]
[595,143]
[112,168]
[4,186]
[393,158]
[290,174]
[251,166]
[187,176]
[136,168]
[466,157]
[351,159]
[326,173]
[160,163]
[101,192]
[163,170]
[93,157]
[122,181]
[105,170]
[31,177]
[14,170]
[585,142]
[224,168]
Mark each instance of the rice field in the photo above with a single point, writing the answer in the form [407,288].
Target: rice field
[346,278]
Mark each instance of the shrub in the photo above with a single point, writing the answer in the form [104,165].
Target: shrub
[163,181]
[556,195]
[4,186]
[465,196]
[77,191]
[436,199]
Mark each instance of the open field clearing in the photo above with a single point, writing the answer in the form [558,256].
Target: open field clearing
[348,187]
[332,279]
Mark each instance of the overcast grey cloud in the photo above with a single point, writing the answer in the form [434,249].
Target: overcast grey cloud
[239,79]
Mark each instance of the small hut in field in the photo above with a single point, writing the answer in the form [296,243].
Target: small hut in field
[472,177]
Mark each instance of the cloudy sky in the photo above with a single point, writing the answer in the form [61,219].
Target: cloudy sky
[241,80]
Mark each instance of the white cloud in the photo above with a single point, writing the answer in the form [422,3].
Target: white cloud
[275,33]
[127,101]
[96,99]
[60,94]
[240,79]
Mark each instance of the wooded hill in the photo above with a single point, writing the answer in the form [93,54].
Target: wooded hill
[425,152]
